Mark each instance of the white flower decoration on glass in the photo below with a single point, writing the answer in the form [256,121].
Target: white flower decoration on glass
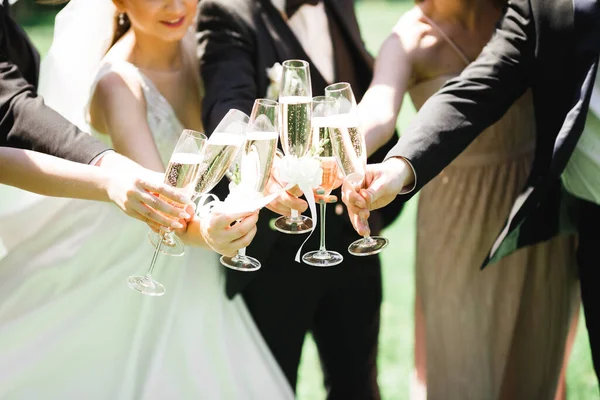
[274,73]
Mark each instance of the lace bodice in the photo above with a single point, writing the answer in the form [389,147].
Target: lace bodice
[162,120]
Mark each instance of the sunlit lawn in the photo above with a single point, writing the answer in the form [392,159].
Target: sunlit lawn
[396,340]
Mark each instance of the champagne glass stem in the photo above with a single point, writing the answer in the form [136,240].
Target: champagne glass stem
[322,206]
[241,253]
[148,275]
[294,216]
[368,240]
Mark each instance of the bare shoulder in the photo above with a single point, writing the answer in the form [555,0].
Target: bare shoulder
[422,41]
[118,91]
[410,29]
[404,41]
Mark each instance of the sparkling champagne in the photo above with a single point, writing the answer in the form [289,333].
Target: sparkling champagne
[296,114]
[219,153]
[182,173]
[330,171]
[320,135]
[257,159]
[349,147]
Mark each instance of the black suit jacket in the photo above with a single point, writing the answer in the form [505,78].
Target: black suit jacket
[25,122]
[238,40]
[540,44]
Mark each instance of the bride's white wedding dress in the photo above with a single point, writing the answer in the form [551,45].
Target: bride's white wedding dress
[71,328]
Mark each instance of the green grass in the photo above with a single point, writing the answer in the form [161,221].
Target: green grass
[396,339]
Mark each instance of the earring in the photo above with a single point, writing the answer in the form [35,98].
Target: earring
[122,19]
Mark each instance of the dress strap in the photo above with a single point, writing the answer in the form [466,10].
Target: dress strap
[451,42]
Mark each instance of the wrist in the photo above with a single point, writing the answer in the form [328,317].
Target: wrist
[116,161]
[403,176]
[104,183]
[194,235]
[400,173]
[104,159]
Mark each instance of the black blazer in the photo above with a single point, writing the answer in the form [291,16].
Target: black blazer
[25,122]
[238,40]
[540,44]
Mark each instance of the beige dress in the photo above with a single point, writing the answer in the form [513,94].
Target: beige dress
[498,333]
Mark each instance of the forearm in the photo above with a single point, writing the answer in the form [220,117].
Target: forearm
[51,176]
[377,122]
[451,119]
[381,104]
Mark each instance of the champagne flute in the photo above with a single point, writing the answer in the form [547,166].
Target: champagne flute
[323,109]
[351,154]
[221,150]
[255,165]
[182,173]
[295,99]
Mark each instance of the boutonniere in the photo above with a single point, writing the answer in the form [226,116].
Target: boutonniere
[274,74]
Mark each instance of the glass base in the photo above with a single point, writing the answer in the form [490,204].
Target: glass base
[368,246]
[241,263]
[173,246]
[146,285]
[294,226]
[320,258]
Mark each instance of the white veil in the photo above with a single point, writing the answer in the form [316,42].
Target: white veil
[83,32]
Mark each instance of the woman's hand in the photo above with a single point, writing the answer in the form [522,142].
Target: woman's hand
[221,232]
[227,233]
[135,191]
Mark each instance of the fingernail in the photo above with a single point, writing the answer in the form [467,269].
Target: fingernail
[184,215]
[176,225]
[332,200]
[320,191]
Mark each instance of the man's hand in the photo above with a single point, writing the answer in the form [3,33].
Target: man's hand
[227,233]
[383,182]
[135,190]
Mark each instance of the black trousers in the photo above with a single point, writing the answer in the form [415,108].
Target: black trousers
[339,305]
[588,259]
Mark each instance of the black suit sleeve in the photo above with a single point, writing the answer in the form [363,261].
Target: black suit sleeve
[451,119]
[226,60]
[25,121]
